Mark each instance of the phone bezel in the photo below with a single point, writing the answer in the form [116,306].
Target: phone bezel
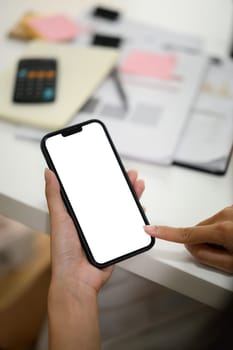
[75,129]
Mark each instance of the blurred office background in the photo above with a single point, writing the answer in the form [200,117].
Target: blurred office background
[135,313]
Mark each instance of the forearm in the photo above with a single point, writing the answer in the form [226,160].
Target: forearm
[73,319]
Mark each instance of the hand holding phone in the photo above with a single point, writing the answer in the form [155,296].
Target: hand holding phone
[97,193]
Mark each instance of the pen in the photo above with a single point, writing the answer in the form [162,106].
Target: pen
[120,88]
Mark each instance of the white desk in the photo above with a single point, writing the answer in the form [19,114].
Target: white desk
[174,196]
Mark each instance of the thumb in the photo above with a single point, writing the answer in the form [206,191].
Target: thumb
[56,207]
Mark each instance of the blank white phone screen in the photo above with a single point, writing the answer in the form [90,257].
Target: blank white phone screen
[98,193]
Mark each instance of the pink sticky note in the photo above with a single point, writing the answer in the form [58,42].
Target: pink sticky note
[149,64]
[54,28]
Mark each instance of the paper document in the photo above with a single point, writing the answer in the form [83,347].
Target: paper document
[138,34]
[158,110]
[161,72]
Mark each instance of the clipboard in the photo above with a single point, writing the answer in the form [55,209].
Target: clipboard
[207,140]
[207,169]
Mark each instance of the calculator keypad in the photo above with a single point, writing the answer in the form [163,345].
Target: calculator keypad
[35,81]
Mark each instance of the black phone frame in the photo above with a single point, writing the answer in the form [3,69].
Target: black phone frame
[75,129]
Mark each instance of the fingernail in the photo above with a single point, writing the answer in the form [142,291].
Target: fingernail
[151,230]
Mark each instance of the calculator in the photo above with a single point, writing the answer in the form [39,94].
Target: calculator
[35,81]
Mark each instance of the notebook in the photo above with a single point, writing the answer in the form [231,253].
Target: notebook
[80,72]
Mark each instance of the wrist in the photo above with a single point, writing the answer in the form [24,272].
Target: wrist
[61,293]
[73,317]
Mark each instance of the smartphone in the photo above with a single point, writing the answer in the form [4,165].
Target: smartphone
[97,192]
